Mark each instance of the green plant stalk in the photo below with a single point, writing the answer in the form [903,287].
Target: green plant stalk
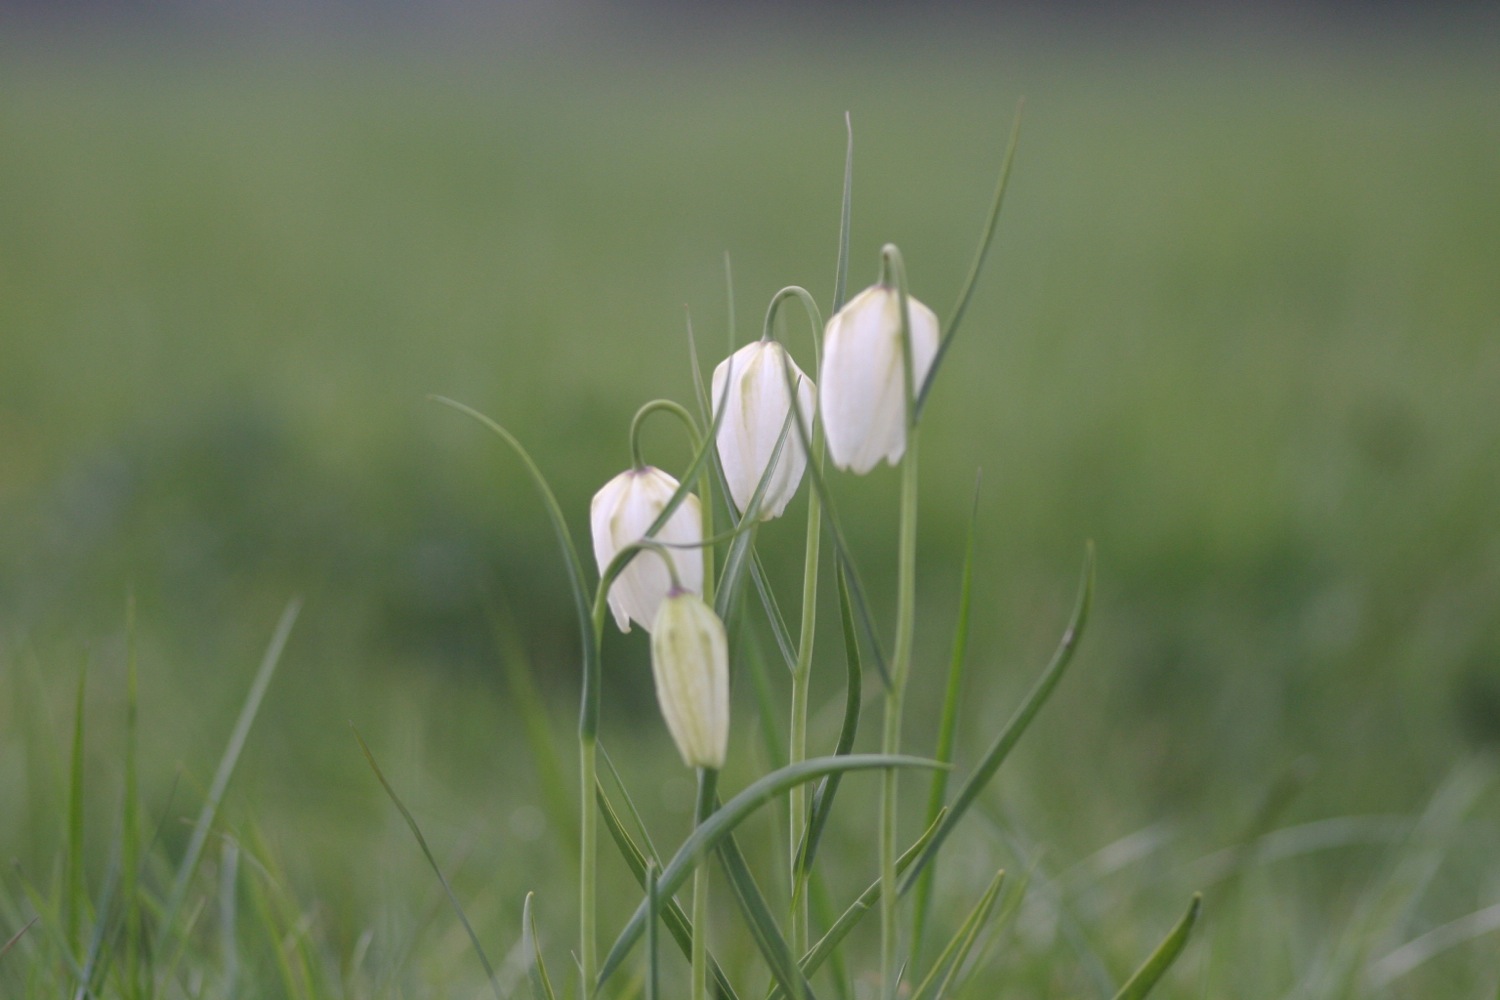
[893,270]
[906,592]
[947,728]
[588,955]
[801,681]
[588,812]
[708,778]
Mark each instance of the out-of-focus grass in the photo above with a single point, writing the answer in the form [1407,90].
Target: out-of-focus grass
[1241,326]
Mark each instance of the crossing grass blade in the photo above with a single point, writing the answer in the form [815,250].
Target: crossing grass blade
[437,870]
[531,949]
[1016,727]
[227,763]
[763,930]
[822,801]
[721,823]
[828,944]
[17,936]
[640,864]
[653,969]
[1166,953]
[952,958]
[948,725]
[777,620]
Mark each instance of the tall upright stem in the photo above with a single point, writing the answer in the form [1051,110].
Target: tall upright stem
[588,957]
[906,596]
[801,681]
[707,780]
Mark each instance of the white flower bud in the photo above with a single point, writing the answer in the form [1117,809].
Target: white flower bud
[690,660]
[862,392]
[755,411]
[619,516]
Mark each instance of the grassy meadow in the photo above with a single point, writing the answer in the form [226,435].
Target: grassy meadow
[1240,327]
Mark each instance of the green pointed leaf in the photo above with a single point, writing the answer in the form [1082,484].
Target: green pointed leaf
[957,950]
[841,275]
[1016,727]
[227,763]
[531,954]
[1165,954]
[716,827]
[18,935]
[967,291]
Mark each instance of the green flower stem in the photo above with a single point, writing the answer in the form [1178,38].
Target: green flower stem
[906,593]
[801,680]
[893,268]
[802,669]
[708,779]
[588,945]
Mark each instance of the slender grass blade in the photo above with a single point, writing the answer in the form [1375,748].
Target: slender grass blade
[1016,727]
[841,273]
[985,239]
[536,969]
[437,870]
[227,763]
[957,950]
[1166,953]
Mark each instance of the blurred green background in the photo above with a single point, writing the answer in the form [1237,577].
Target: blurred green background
[1241,327]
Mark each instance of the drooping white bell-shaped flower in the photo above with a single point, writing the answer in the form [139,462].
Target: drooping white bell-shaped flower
[690,660]
[755,412]
[862,393]
[619,516]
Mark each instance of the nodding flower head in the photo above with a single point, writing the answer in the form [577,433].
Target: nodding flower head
[862,388]
[619,515]
[756,408]
[690,660]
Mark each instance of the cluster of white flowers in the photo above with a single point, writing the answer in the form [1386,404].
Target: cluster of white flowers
[862,403]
